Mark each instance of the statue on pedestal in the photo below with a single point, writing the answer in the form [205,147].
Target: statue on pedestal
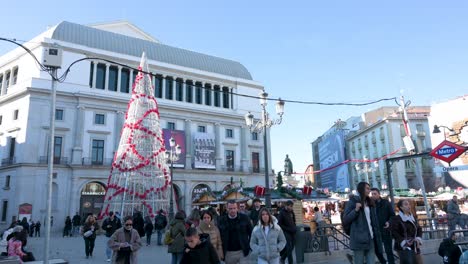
[288,166]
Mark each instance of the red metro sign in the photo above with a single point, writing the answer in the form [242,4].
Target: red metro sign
[447,151]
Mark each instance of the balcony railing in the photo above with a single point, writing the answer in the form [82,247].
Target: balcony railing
[231,168]
[94,162]
[256,170]
[8,161]
[57,160]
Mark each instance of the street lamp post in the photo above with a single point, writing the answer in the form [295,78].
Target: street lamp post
[172,155]
[262,126]
[437,130]
[366,168]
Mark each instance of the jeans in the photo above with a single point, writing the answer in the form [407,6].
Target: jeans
[176,258]
[160,234]
[89,246]
[368,255]
[108,251]
[287,252]
[148,238]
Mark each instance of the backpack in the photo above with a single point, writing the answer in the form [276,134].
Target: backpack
[160,222]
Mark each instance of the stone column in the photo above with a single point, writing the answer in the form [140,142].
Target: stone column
[184,92]
[212,95]
[202,93]
[4,89]
[119,120]
[106,80]
[188,144]
[244,148]
[163,87]
[77,151]
[218,146]
[188,196]
[119,77]
[95,63]
[174,84]
[130,81]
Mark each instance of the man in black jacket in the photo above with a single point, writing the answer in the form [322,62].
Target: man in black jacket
[76,221]
[449,251]
[109,225]
[287,222]
[235,230]
[257,205]
[198,249]
[384,215]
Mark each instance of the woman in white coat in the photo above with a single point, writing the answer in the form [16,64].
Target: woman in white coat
[267,239]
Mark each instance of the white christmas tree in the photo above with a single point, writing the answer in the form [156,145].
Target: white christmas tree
[139,179]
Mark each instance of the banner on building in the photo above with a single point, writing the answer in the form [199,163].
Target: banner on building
[179,137]
[204,147]
[331,153]
[24,210]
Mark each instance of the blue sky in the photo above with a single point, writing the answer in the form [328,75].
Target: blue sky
[329,51]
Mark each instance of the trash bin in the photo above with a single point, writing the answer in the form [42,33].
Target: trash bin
[303,241]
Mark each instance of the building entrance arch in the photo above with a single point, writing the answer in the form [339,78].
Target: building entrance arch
[91,198]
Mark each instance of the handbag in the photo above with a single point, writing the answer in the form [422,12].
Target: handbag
[168,238]
[407,255]
[88,233]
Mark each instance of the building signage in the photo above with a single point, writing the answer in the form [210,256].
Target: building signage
[449,169]
[199,190]
[331,153]
[179,137]
[204,151]
[447,151]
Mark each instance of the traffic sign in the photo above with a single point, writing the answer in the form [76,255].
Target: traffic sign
[447,151]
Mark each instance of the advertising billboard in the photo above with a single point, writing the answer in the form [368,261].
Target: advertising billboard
[204,147]
[179,137]
[331,153]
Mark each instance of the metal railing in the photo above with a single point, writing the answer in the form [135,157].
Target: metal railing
[8,161]
[57,160]
[93,162]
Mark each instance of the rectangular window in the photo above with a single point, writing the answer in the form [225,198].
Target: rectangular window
[169,88]
[101,76]
[125,80]
[1,81]
[7,181]
[217,96]
[134,75]
[99,119]
[255,162]
[188,93]
[230,160]
[254,136]
[59,114]
[91,74]
[57,149]
[225,97]
[15,76]
[207,94]
[12,148]
[419,128]
[1,119]
[4,210]
[198,94]
[7,79]
[179,91]
[15,114]
[97,155]
[158,86]
[113,72]
[171,125]
[201,129]
[229,133]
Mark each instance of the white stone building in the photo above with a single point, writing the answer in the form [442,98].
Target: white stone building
[198,97]
[452,119]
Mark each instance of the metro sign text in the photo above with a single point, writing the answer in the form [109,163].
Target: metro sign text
[447,151]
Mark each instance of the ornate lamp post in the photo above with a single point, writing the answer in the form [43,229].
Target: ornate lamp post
[172,155]
[261,126]
[366,168]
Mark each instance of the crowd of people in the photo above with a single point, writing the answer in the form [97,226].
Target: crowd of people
[16,238]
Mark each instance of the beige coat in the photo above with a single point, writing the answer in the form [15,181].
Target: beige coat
[215,237]
[119,237]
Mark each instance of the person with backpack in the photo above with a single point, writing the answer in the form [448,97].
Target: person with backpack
[110,225]
[148,229]
[176,238]
[361,218]
[160,223]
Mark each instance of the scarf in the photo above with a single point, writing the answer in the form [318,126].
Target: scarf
[406,218]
